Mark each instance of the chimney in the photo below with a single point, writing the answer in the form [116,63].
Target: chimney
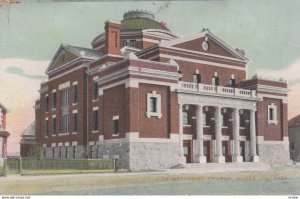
[112,37]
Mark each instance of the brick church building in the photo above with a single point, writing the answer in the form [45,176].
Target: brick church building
[3,133]
[152,100]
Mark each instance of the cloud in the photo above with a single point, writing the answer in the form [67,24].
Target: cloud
[19,84]
[290,73]
[20,72]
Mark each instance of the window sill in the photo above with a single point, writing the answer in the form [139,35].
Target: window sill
[95,100]
[74,104]
[206,126]
[242,127]
[152,114]
[54,109]
[95,131]
[187,125]
[63,134]
[272,122]
[74,133]
[224,127]
[115,135]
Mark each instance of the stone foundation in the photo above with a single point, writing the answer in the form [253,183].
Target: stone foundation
[153,156]
[67,152]
[274,152]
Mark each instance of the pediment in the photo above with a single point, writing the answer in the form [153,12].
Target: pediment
[205,42]
[62,57]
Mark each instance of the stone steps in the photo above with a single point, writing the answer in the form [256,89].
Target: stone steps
[220,167]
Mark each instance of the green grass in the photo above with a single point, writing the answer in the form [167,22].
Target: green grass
[62,171]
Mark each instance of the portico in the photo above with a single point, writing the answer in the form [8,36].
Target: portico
[223,109]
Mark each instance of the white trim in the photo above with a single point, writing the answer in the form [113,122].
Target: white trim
[222,44]
[44,145]
[65,73]
[74,143]
[283,98]
[274,107]
[53,144]
[243,138]
[95,77]
[67,144]
[158,105]
[64,85]
[95,131]
[74,83]
[91,143]
[95,108]
[53,91]
[75,111]
[202,62]
[187,137]
[225,138]
[53,116]
[115,117]
[150,40]
[60,144]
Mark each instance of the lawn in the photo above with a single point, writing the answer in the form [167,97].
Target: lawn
[152,183]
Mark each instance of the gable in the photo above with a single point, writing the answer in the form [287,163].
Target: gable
[196,45]
[64,57]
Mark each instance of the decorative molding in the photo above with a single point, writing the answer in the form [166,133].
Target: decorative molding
[157,113]
[202,62]
[64,85]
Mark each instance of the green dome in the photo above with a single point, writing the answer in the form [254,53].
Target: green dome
[139,20]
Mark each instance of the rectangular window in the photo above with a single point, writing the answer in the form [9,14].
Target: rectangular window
[153,104]
[224,120]
[204,120]
[272,114]
[75,94]
[95,120]
[233,83]
[65,97]
[215,81]
[54,100]
[95,95]
[64,124]
[47,104]
[242,121]
[53,152]
[116,126]
[75,122]
[74,152]
[185,118]
[66,152]
[54,126]
[197,78]
[60,152]
[46,127]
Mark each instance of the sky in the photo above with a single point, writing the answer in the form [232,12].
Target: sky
[32,31]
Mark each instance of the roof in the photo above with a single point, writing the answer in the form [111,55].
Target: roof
[140,20]
[6,109]
[30,130]
[79,52]
[141,24]
[84,52]
[294,122]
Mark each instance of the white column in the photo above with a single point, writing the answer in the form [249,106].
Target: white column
[236,136]
[253,154]
[199,116]
[182,159]
[219,158]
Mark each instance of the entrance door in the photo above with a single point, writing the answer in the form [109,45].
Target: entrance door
[225,151]
[242,150]
[206,150]
[187,150]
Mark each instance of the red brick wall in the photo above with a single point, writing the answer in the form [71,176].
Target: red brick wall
[154,127]
[80,77]
[272,131]
[196,45]
[113,104]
